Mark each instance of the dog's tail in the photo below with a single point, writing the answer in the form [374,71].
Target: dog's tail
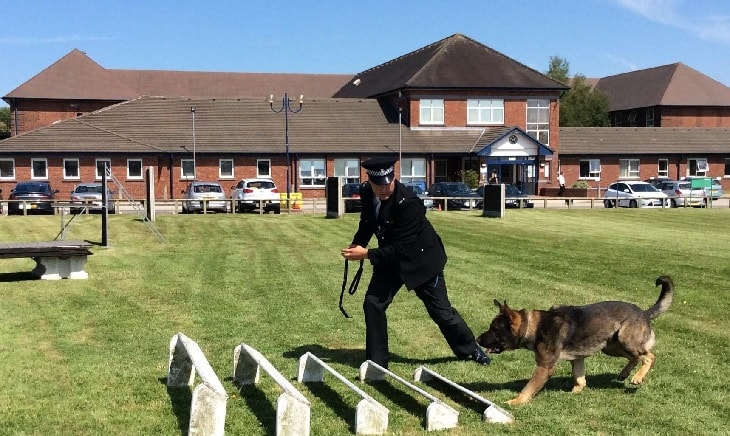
[665,298]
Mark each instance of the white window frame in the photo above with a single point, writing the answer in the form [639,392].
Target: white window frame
[7,172]
[413,170]
[348,169]
[131,176]
[431,111]
[662,169]
[67,175]
[312,172]
[226,169]
[628,168]
[698,167]
[100,168]
[538,119]
[594,169]
[260,164]
[39,168]
[484,111]
[187,169]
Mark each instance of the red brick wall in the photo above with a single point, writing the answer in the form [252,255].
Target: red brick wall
[695,117]
[33,114]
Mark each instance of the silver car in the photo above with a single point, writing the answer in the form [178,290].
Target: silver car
[681,193]
[204,197]
[88,196]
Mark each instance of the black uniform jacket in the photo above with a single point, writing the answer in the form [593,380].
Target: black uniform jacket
[407,243]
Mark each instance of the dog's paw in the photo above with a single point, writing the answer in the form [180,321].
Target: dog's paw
[517,401]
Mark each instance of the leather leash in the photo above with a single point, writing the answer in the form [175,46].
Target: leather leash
[353,286]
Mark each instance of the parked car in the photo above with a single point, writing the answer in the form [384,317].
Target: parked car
[513,198]
[33,196]
[634,194]
[714,191]
[204,196]
[351,194]
[421,193]
[463,196]
[680,193]
[90,195]
[253,194]
[657,181]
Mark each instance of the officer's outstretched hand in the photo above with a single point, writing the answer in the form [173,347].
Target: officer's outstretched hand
[355,252]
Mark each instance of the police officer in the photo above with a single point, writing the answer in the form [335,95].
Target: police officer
[409,252]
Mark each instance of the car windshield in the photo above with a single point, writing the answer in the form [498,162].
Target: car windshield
[457,189]
[83,188]
[511,190]
[416,189]
[207,188]
[31,187]
[640,187]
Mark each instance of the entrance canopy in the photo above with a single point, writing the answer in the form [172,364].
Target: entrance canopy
[515,145]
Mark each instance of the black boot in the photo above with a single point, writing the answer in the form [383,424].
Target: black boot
[480,357]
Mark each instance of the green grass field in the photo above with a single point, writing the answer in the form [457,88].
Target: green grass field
[90,356]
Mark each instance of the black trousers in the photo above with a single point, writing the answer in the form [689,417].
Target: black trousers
[381,291]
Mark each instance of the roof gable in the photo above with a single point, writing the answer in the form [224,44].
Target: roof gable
[667,85]
[456,62]
[74,77]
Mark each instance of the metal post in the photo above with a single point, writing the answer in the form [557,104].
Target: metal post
[195,167]
[104,211]
[286,108]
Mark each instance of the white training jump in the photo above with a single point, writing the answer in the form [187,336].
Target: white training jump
[492,413]
[208,406]
[293,410]
[439,415]
[371,417]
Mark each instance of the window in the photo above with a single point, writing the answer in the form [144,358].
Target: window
[312,172]
[7,169]
[263,168]
[663,168]
[187,169]
[432,111]
[538,119]
[650,117]
[71,169]
[482,111]
[134,168]
[590,169]
[628,168]
[617,122]
[100,165]
[413,170]
[697,167]
[633,115]
[348,169]
[726,173]
[225,169]
[38,169]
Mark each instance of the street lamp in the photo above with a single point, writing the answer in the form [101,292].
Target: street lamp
[286,108]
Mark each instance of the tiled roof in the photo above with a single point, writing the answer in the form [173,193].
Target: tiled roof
[643,140]
[456,62]
[156,124]
[77,77]
[667,85]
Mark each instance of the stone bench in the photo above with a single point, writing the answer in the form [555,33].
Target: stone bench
[55,260]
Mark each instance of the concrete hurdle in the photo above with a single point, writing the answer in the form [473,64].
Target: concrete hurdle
[208,406]
[492,413]
[293,410]
[439,415]
[371,417]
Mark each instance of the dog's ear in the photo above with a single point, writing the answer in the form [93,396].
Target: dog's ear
[502,307]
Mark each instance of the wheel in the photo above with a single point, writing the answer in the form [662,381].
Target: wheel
[277,210]
[674,203]
[633,204]
[608,204]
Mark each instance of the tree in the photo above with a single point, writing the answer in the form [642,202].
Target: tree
[4,119]
[581,105]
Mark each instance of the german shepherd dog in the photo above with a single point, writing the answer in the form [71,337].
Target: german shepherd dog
[575,332]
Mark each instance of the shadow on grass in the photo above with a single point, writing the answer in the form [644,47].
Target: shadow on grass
[17,277]
[355,357]
[596,381]
[180,401]
[257,402]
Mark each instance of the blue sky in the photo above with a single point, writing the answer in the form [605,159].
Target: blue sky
[597,37]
